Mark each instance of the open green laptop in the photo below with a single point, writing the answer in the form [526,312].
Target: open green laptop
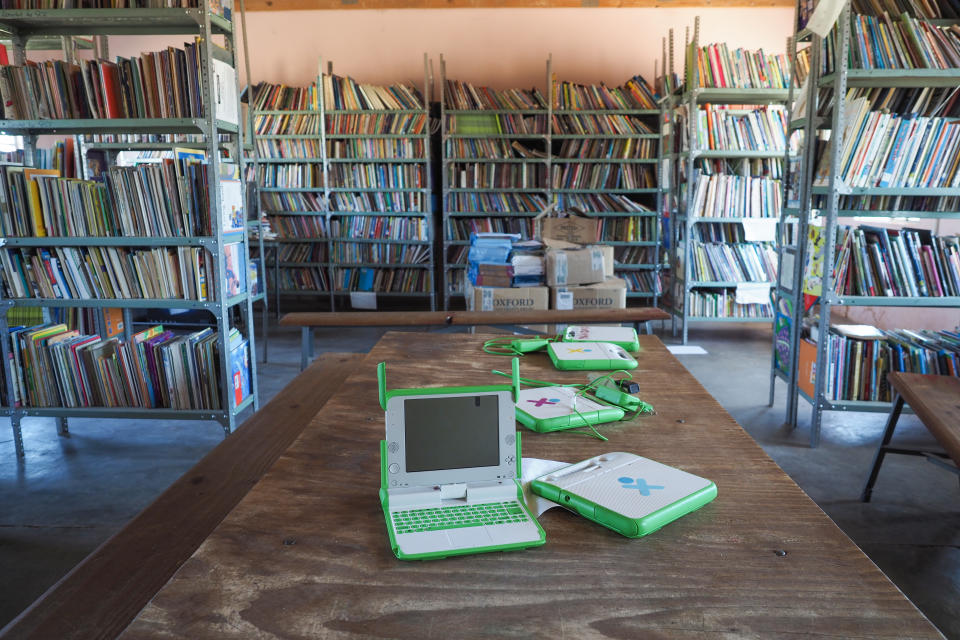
[450,471]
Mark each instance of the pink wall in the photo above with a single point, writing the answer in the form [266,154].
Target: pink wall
[499,47]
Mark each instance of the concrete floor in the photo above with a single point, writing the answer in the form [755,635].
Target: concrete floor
[70,494]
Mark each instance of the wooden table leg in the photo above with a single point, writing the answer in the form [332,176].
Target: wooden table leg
[882,449]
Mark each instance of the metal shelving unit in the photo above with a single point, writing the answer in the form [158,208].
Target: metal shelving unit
[326,159]
[454,273]
[802,216]
[23,26]
[684,226]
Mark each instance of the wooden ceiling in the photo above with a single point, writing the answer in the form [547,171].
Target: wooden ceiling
[292,5]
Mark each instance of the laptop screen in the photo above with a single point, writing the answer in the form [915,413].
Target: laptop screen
[451,433]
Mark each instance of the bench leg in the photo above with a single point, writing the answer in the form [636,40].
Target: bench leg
[882,449]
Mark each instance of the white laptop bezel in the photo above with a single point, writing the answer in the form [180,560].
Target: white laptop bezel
[397,475]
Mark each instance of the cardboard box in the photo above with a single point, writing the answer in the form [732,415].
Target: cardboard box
[569,267]
[571,229]
[807,371]
[506,298]
[609,294]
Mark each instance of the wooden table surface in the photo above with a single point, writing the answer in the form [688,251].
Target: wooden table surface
[305,553]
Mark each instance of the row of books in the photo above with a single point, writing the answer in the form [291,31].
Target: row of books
[628,148]
[762,129]
[58,367]
[757,167]
[496,202]
[272,202]
[719,232]
[493,124]
[904,43]
[344,202]
[722,303]
[604,176]
[933,9]
[886,150]
[336,124]
[572,176]
[164,84]
[733,196]
[627,229]
[463,96]
[718,67]
[744,262]
[905,204]
[497,176]
[642,281]
[306,279]
[290,175]
[306,252]
[634,94]
[916,101]
[376,148]
[599,203]
[72,273]
[280,97]
[859,366]
[380,227]
[293,227]
[344,93]
[599,124]
[924,9]
[346,253]
[169,198]
[381,176]
[635,255]
[875,261]
[383,280]
[217,7]
[459,229]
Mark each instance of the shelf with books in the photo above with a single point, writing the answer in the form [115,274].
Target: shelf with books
[362,155]
[891,156]
[91,251]
[728,156]
[591,148]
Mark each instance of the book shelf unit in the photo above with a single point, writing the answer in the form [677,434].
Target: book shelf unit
[549,174]
[685,223]
[336,261]
[22,26]
[815,203]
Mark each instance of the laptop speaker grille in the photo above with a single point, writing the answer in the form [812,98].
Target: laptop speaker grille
[393,447]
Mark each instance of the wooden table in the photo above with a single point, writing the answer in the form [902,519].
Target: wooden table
[936,401]
[305,553]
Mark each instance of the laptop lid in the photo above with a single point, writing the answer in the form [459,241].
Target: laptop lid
[450,438]
[448,435]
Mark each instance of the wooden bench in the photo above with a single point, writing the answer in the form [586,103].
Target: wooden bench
[936,401]
[102,594]
[307,320]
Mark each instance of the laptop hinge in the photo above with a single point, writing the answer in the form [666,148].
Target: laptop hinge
[453,491]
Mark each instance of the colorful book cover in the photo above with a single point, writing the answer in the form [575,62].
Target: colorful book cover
[240,368]
[235,268]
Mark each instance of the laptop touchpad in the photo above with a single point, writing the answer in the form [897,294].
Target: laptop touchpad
[469,537]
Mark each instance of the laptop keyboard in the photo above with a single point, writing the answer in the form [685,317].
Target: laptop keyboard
[468,515]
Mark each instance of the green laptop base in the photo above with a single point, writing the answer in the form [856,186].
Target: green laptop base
[572,421]
[439,555]
[629,527]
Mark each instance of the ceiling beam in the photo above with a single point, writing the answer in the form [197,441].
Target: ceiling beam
[300,5]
